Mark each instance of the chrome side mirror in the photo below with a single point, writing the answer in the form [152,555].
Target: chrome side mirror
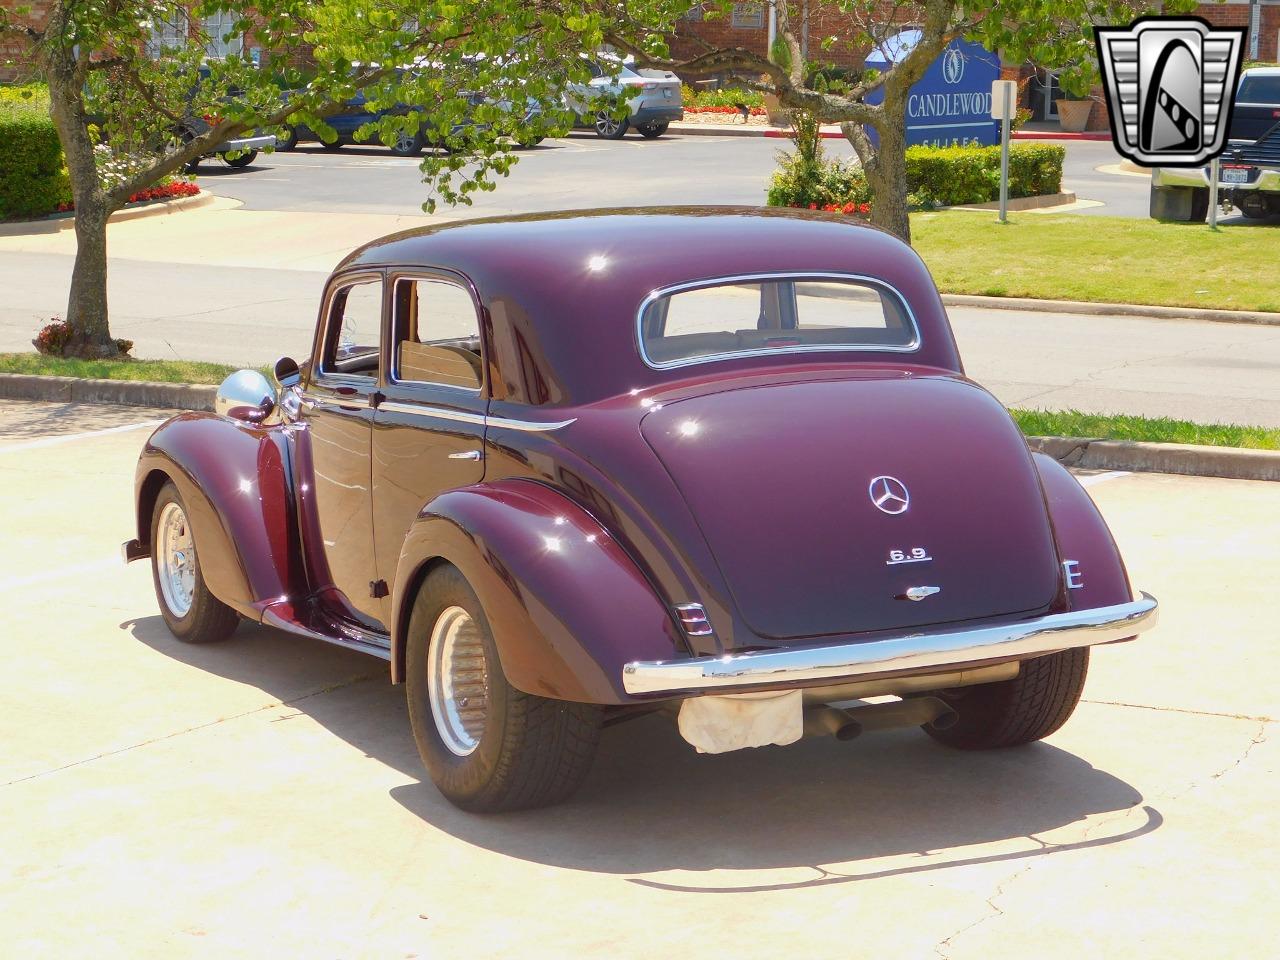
[287,373]
[245,395]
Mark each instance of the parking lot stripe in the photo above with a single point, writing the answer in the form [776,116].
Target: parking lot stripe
[68,438]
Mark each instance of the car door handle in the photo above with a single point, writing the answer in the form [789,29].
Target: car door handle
[467,455]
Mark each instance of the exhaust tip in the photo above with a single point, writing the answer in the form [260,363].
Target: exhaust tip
[945,720]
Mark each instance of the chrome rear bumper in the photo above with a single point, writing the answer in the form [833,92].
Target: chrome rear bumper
[912,652]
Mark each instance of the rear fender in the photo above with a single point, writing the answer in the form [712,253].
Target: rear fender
[235,482]
[1083,538]
[566,604]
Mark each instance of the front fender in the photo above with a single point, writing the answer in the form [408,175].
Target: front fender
[1083,536]
[566,604]
[235,481]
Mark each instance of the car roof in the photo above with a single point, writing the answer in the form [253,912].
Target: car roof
[568,285]
[1261,72]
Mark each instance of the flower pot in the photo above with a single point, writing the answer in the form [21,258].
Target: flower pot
[1073,115]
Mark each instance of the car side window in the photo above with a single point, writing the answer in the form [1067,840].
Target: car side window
[355,328]
[437,335]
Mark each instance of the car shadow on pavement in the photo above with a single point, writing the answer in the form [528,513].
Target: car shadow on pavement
[652,805]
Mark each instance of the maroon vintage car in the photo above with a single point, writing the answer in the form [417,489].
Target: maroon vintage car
[565,469]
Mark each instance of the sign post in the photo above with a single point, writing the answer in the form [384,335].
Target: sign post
[1003,97]
[1214,174]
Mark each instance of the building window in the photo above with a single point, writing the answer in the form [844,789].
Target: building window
[168,34]
[747,16]
[218,27]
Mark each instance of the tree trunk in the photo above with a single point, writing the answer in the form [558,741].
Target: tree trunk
[87,301]
[888,179]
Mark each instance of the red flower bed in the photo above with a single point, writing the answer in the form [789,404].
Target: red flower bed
[848,209]
[754,111]
[167,191]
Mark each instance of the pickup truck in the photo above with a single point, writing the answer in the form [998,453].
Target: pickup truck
[1249,169]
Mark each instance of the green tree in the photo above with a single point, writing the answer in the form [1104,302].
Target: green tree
[127,77]
[1056,33]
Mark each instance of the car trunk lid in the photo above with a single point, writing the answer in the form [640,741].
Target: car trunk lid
[784,481]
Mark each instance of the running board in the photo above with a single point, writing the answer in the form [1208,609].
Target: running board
[344,635]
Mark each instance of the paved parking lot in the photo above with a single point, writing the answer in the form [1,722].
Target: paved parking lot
[263,798]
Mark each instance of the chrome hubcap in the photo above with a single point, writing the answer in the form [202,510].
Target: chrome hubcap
[458,681]
[404,142]
[176,557]
[606,123]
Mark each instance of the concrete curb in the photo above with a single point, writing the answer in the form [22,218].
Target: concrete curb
[1111,309]
[1188,459]
[152,208]
[139,393]
[1040,202]
[1231,462]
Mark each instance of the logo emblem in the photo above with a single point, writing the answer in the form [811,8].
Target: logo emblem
[889,494]
[1170,82]
[952,65]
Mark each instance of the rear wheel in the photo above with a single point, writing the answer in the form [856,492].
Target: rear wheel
[408,145]
[1035,703]
[609,127]
[241,161]
[487,746]
[651,131]
[331,144]
[289,141]
[193,614]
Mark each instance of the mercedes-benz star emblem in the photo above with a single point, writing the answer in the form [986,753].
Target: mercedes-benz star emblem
[889,494]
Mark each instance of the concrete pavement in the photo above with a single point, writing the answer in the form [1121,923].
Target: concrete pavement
[262,798]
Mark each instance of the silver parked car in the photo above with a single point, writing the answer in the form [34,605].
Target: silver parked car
[652,96]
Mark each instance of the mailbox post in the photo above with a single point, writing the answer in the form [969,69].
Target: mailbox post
[1004,97]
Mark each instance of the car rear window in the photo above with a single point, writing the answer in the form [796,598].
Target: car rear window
[757,316]
[1259,89]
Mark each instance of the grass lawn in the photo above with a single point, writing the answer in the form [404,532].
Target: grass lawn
[1113,259]
[1072,423]
[162,371]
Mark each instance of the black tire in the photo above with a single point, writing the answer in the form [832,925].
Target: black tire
[1199,205]
[652,131]
[1035,703]
[289,141]
[192,166]
[208,619]
[331,144]
[241,161]
[610,128]
[527,143]
[531,752]
[408,146]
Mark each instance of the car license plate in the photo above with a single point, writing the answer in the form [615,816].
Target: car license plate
[666,92]
[1235,176]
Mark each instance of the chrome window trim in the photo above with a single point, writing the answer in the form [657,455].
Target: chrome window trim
[393,366]
[893,291]
[463,416]
[339,284]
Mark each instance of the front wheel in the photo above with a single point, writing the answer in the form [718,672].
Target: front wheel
[408,145]
[652,131]
[487,746]
[609,127]
[193,614]
[241,161]
[1034,704]
[331,144]
[289,141]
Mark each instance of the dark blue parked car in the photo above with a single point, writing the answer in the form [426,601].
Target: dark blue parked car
[355,115]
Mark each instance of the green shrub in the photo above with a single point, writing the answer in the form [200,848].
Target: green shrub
[33,174]
[948,176]
[936,177]
[724,97]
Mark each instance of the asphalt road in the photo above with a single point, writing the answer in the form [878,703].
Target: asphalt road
[583,171]
[263,798]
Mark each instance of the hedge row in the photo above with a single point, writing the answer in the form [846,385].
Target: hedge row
[33,175]
[948,176]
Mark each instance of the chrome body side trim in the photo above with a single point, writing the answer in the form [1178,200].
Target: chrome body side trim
[463,416]
[914,651]
[856,278]
[355,400]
